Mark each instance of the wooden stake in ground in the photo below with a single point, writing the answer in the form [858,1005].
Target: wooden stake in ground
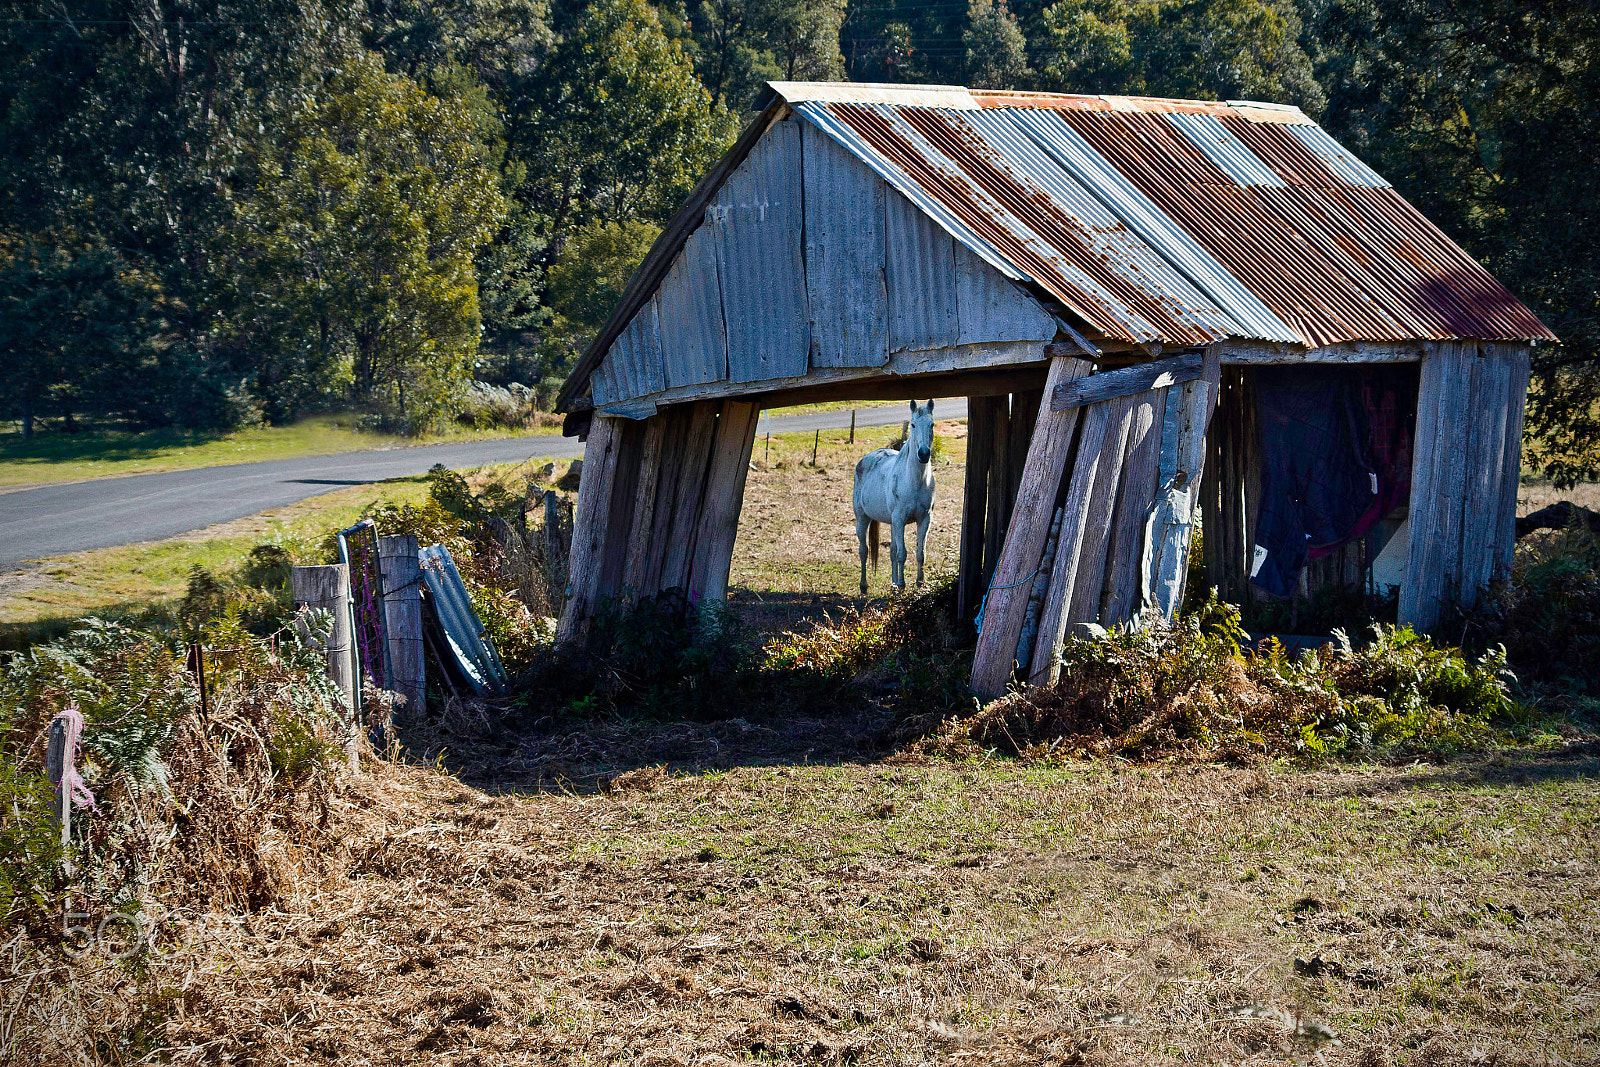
[815,441]
[852,425]
[56,758]
[329,587]
[1006,607]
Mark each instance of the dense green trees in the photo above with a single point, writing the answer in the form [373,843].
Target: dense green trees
[212,210]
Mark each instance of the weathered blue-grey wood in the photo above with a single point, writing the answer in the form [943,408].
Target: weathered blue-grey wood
[1172,527]
[694,342]
[756,224]
[1456,420]
[1511,462]
[605,386]
[1490,379]
[1418,598]
[846,258]
[991,308]
[922,278]
[639,353]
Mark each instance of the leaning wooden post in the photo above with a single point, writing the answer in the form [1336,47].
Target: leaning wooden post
[724,497]
[328,587]
[1007,605]
[589,521]
[402,610]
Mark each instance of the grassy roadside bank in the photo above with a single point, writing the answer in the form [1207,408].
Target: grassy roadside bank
[61,457]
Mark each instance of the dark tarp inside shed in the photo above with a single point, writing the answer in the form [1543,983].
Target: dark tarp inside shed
[1335,459]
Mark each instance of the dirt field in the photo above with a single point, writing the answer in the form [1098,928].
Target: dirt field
[922,913]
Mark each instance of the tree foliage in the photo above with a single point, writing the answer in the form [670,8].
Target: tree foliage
[361,242]
[211,209]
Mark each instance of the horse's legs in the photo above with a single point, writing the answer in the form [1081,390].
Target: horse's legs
[922,540]
[862,522]
[897,551]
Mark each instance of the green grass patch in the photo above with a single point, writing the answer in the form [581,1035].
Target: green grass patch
[64,457]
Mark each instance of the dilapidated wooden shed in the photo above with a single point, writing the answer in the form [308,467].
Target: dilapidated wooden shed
[1131,292]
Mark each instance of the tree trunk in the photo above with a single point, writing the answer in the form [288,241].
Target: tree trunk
[27,415]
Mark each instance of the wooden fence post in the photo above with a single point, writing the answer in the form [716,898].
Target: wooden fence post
[1010,588]
[402,610]
[56,758]
[969,572]
[329,587]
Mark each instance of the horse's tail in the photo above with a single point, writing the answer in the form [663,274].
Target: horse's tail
[872,545]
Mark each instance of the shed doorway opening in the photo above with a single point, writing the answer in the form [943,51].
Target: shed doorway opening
[1307,494]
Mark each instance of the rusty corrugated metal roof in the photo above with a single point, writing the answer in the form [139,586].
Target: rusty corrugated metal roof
[1171,221]
[1180,221]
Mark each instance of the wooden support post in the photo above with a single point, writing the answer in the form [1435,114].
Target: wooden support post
[980,441]
[1123,595]
[1044,667]
[402,612]
[589,520]
[679,544]
[619,519]
[996,515]
[328,587]
[1006,608]
[719,521]
[1173,528]
[636,568]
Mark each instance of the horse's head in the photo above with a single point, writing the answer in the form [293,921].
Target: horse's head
[920,433]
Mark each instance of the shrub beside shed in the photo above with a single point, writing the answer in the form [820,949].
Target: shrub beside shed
[1157,309]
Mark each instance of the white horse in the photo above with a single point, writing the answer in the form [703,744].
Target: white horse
[896,486]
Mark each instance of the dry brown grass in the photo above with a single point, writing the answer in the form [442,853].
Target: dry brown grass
[915,913]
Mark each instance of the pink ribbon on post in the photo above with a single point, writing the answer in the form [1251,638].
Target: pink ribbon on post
[72,723]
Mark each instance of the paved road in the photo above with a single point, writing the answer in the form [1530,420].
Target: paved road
[55,519]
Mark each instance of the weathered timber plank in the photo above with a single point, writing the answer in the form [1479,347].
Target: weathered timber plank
[966,359]
[1089,579]
[676,422]
[1511,463]
[1180,497]
[619,523]
[1128,381]
[689,494]
[974,504]
[846,257]
[724,496]
[1454,420]
[1485,431]
[402,615]
[921,278]
[589,518]
[1266,352]
[1044,667]
[694,342]
[1136,500]
[1006,608]
[996,512]
[636,566]
[756,222]
[1418,605]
